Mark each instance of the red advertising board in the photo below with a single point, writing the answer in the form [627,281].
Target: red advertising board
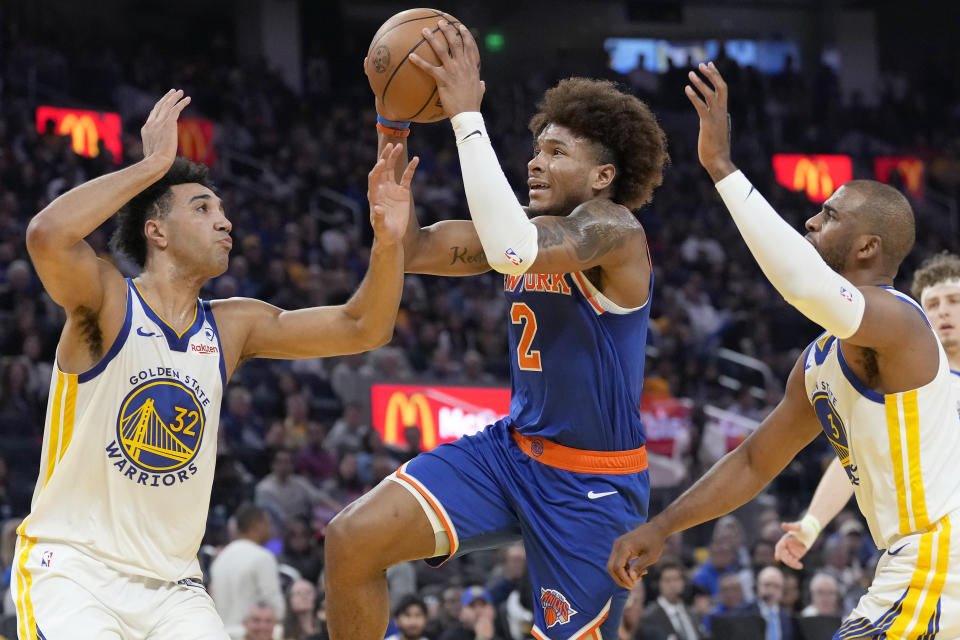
[818,175]
[86,128]
[195,137]
[443,414]
[909,168]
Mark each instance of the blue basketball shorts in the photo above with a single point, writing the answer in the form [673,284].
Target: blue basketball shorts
[566,505]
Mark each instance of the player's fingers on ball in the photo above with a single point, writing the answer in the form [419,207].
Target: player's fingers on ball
[451,34]
[433,71]
[438,42]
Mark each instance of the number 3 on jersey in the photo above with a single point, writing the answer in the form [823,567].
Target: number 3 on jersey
[528,359]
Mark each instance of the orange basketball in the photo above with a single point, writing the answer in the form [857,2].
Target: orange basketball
[405,90]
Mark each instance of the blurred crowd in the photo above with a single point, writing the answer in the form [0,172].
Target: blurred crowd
[296,444]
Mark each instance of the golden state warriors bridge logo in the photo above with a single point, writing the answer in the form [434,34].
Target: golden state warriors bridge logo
[159,431]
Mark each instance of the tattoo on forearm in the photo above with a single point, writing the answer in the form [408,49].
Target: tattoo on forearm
[463,256]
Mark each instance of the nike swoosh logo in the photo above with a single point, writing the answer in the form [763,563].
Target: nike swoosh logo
[893,553]
[474,132]
[141,332]
[593,495]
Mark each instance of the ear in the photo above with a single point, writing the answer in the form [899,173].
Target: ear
[155,233]
[868,247]
[603,176]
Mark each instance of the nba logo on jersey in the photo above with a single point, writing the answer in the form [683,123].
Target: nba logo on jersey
[846,295]
[46,558]
[556,609]
[512,256]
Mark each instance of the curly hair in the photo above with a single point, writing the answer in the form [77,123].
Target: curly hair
[151,203]
[936,270]
[620,123]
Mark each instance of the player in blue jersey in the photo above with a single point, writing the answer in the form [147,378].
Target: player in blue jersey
[566,470]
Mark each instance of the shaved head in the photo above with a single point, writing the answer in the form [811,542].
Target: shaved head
[885,213]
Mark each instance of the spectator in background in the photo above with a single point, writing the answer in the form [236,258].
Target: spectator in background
[348,431]
[410,617]
[477,617]
[314,461]
[668,612]
[720,562]
[259,622]
[511,573]
[767,605]
[630,625]
[242,427]
[244,573]
[731,602]
[824,596]
[288,495]
[449,613]
[301,621]
[791,601]
[301,551]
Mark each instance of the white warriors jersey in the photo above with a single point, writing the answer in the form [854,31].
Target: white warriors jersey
[899,449]
[129,447]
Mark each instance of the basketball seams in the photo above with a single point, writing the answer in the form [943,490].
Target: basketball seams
[386,86]
[439,14]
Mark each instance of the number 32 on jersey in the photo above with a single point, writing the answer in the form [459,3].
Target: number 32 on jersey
[528,359]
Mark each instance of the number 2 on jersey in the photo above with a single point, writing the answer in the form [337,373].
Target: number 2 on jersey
[528,359]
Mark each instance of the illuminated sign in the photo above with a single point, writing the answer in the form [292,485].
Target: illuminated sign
[442,414]
[818,175]
[85,128]
[195,138]
[910,171]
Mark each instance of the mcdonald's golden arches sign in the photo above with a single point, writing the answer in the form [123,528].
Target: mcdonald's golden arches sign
[816,175]
[441,414]
[85,128]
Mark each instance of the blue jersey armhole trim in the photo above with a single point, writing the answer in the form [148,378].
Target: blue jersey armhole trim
[118,343]
[956,373]
[208,312]
[852,378]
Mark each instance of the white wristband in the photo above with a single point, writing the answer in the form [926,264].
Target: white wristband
[809,530]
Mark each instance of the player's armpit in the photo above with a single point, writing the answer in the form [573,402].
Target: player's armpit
[447,248]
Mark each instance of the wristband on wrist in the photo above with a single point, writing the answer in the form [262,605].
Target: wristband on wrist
[390,131]
[393,124]
[809,530]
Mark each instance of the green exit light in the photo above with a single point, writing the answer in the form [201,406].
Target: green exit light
[494,41]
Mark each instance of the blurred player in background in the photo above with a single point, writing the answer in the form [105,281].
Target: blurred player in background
[109,548]
[936,284]
[877,382]
[566,470]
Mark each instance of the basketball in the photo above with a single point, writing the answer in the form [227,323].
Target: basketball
[405,90]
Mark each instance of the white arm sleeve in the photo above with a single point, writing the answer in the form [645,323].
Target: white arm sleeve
[508,237]
[791,263]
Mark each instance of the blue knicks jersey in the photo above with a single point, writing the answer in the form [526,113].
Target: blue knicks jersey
[576,362]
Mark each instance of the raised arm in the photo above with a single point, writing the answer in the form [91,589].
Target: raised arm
[255,329]
[68,267]
[446,248]
[864,316]
[731,482]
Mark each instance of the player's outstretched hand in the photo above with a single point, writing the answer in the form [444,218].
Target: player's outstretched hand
[713,145]
[389,199]
[633,552]
[789,550]
[458,76]
[159,133]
